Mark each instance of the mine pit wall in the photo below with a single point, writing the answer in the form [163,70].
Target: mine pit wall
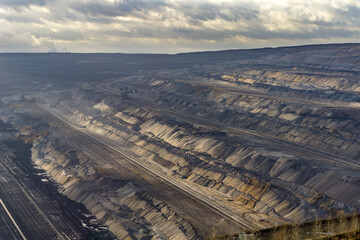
[119,204]
[259,177]
[327,129]
[129,212]
[288,188]
[250,175]
[295,80]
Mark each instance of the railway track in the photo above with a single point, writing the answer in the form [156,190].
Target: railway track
[12,221]
[29,196]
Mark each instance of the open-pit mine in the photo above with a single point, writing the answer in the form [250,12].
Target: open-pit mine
[184,146]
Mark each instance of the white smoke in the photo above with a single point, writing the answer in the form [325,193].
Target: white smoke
[47,43]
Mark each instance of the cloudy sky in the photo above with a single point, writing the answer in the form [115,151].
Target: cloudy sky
[173,26]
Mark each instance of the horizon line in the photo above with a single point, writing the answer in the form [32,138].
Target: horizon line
[190,52]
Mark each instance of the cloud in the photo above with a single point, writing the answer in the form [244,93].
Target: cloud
[174,25]
[118,8]
[17,3]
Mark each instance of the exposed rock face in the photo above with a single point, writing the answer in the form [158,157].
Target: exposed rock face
[116,202]
[272,133]
[250,173]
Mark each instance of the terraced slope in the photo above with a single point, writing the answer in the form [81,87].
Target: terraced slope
[236,140]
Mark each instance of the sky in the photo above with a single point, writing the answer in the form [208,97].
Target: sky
[172,26]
